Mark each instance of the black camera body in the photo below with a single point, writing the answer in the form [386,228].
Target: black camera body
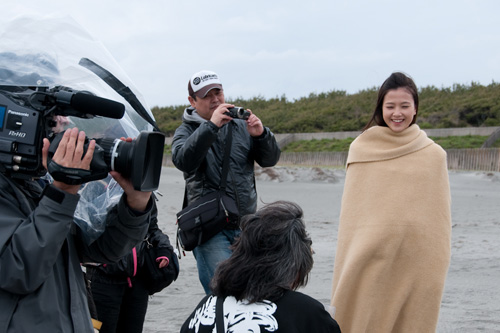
[27,116]
[238,113]
[22,130]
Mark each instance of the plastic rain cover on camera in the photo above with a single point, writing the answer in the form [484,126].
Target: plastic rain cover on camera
[47,51]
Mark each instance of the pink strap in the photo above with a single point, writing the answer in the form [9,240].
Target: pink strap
[160,258]
[134,253]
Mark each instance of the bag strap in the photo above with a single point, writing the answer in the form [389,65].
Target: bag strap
[219,314]
[227,151]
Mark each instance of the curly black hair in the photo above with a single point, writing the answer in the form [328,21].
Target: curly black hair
[272,255]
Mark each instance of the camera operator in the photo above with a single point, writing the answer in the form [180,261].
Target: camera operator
[41,281]
[198,150]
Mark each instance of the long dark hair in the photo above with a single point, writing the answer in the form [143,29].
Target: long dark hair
[272,255]
[395,81]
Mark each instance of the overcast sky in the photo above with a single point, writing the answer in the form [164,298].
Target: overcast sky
[271,48]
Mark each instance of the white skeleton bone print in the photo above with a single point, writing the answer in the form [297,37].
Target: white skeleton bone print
[239,316]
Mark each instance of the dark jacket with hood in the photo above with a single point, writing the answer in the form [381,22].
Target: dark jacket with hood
[198,151]
[42,288]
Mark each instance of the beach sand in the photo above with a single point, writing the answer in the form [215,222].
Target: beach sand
[471,300]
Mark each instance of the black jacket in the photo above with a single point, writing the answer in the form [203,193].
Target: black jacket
[129,265]
[198,151]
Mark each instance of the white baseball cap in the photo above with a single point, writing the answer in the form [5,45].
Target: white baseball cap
[202,82]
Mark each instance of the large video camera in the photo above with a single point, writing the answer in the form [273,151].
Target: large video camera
[29,114]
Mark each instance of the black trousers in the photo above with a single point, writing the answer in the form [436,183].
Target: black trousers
[120,308]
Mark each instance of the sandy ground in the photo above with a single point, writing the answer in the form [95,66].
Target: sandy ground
[471,301]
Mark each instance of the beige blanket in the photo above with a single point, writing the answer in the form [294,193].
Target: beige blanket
[394,237]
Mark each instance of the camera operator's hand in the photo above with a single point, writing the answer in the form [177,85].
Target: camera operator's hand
[69,154]
[137,200]
[219,117]
[254,125]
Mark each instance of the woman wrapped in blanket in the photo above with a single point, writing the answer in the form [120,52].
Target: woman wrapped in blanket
[394,235]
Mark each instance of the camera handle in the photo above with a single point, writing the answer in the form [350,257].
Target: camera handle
[74,176]
[70,176]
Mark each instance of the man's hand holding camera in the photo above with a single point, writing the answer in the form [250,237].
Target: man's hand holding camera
[221,116]
[69,154]
[254,125]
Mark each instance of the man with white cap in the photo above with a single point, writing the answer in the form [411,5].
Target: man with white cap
[198,151]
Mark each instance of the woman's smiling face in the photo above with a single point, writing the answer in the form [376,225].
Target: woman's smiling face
[398,109]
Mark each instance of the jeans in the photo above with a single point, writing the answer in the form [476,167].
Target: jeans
[212,252]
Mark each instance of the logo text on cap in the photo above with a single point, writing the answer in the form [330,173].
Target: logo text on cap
[198,80]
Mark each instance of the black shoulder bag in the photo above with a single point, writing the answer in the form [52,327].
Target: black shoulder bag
[155,278]
[209,215]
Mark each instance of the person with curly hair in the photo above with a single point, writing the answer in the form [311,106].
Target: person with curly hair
[255,289]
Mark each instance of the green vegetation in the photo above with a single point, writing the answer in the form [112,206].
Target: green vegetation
[471,105]
[460,142]
[450,142]
[318,145]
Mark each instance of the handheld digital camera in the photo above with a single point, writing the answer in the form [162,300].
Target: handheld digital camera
[238,113]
